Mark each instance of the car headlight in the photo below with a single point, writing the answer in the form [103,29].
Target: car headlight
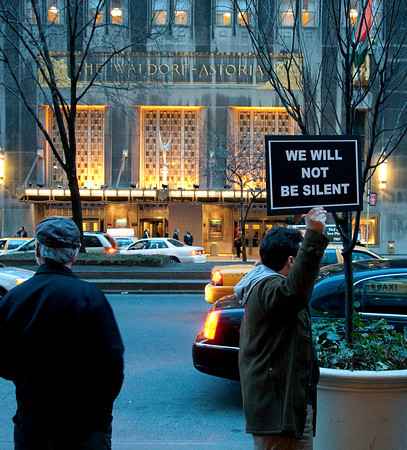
[19,281]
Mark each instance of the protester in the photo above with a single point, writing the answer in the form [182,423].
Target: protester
[61,346]
[176,234]
[146,234]
[188,238]
[21,232]
[277,362]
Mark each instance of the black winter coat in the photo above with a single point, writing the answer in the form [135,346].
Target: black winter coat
[61,346]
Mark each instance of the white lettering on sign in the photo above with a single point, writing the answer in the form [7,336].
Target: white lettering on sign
[296,155]
[289,191]
[314,172]
[325,189]
[325,155]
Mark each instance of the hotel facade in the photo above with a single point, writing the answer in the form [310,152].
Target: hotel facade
[154,132]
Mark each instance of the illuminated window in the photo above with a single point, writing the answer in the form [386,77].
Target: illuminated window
[224,10]
[97,9]
[309,13]
[369,230]
[244,15]
[181,12]
[54,11]
[90,138]
[171,148]
[287,13]
[250,127]
[117,12]
[160,12]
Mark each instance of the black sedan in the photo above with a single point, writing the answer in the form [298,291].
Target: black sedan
[380,291]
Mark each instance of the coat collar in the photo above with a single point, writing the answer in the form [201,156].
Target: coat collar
[54,268]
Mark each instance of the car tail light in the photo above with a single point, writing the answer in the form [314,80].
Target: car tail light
[217,278]
[197,252]
[110,250]
[211,323]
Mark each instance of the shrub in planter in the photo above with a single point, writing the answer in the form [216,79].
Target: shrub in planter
[362,393]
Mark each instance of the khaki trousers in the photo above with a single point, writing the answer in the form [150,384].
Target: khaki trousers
[276,442]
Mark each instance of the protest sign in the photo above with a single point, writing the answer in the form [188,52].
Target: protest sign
[303,172]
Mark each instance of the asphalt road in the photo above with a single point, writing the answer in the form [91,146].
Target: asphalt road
[165,402]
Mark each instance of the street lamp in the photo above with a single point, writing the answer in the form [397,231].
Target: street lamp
[2,166]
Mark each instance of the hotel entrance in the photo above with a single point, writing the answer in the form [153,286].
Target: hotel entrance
[155,227]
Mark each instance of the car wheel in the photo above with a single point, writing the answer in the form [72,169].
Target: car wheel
[3,292]
[174,259]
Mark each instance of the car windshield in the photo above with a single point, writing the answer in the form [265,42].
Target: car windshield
[176,243]
[14,244]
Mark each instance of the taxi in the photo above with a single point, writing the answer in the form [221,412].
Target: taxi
[224,278]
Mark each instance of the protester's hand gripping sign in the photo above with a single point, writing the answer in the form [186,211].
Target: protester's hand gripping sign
[304,172]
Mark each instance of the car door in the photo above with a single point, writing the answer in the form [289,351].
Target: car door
[138,248]
[158,247]
[383,296]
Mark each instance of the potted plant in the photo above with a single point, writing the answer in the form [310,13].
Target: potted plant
[362,393]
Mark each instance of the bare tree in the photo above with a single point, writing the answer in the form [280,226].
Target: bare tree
[245,171]
[353,66]
[28,50]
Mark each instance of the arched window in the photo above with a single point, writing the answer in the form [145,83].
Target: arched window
[117,12]
[160,12]
[55,9]
[96,9]
[224,13]
[182,10]
[244,13]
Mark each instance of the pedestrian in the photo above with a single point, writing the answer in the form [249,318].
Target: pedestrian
[146,234]
[175,235]
[277,362]
[188,238]
[21,232]
[61,347]
[238,245]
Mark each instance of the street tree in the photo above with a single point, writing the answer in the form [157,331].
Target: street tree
[30,50]
[245,172]
[351,69]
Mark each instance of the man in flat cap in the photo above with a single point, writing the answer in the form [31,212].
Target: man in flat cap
[61,347]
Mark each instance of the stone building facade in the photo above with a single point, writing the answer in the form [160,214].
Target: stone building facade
[153,133]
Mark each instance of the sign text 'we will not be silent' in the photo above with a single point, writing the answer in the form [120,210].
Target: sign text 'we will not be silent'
[303,172]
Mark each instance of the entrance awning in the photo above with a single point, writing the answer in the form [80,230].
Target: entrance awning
[141,195]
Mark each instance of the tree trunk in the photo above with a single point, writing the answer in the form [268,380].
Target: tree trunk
[242,227]
[76,204]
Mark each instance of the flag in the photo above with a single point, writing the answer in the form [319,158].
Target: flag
[361,36]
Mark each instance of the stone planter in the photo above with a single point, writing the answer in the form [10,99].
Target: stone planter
[362,410]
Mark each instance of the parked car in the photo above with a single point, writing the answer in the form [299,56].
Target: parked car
[380,291]
[176,250]
[224,278]
[99,242]
[11,277]
[11,244]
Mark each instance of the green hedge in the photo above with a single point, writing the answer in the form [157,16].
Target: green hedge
[95,260]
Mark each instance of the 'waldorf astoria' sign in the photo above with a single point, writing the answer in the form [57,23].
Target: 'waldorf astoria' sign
[303,172]
[172,68]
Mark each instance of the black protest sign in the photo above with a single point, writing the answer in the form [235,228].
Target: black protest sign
[303,172]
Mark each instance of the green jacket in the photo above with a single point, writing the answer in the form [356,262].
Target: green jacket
[278,368]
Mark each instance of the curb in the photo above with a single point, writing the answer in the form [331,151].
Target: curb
[123,285]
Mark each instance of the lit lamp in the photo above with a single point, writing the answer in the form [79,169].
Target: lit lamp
[353,16]
[117,15]
[383,174]
[53,12]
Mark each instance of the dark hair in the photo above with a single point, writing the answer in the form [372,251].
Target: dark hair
[277,245]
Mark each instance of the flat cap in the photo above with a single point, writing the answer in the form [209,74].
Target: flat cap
[58,232]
